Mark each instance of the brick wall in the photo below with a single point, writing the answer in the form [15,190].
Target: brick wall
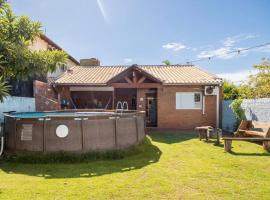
[170,117]
[141,96]
[64,93]
[46,97]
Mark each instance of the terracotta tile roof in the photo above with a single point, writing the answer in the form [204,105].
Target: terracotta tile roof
[52,43]
[94,75]
[169,75]
[181,74]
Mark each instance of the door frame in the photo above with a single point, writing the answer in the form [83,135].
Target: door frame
[152,95]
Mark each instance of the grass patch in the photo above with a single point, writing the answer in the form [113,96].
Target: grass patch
[166,166]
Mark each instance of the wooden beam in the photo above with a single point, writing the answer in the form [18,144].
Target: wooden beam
[88,88]
[134,74]
[141,79]
[128,79]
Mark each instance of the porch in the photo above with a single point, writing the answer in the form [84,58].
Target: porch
[108,98]
[133,86]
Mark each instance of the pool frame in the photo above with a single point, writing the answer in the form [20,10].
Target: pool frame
[86,133]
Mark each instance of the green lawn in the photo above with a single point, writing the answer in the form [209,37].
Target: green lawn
[169,166]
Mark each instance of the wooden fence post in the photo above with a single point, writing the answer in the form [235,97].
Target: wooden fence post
[227,145]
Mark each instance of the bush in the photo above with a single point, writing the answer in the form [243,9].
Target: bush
[230,91]
[63,157]
[238,111]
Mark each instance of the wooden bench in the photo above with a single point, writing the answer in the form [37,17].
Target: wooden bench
[228,142]
[253,129]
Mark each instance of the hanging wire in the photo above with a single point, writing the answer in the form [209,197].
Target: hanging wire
[238,51]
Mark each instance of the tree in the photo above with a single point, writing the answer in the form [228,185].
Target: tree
[230,91]
[166,62]
[257,86]
[261,81]
[245,91]
[17,61]
[4,88]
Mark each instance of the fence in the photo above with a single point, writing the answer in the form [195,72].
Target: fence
[255,109]
[19,104]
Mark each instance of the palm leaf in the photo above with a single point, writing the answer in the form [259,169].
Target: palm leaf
[4,89]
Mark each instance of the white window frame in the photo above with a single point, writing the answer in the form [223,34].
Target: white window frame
[180,101]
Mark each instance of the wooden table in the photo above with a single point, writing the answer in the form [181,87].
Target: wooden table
[207,131]
[203,131]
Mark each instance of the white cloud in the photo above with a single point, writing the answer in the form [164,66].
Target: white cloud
[174,46]
[231,41]
[103,11]
[220,53]
[237,77]
[228,45]
[128,60]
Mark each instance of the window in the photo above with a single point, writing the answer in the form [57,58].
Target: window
[197,97]
[63,67]
[188,100]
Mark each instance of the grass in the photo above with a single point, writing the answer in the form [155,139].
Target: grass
[166,166]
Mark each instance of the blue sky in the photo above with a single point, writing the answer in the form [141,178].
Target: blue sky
[148,32]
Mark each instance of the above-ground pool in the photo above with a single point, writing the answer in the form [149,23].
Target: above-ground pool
[73,131]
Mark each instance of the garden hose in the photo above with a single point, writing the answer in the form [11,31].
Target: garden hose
[1,140]
[1,145]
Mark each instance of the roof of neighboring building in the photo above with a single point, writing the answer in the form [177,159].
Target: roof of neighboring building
[52,43]
[167,74]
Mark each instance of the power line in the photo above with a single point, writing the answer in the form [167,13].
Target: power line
[230,52]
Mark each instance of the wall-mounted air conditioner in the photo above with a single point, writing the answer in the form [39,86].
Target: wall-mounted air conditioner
[210,90]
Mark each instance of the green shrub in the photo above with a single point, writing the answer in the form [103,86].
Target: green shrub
[62,157]
[238,111]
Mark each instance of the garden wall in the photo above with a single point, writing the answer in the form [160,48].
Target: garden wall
[255,109]
[19,104]
[46,97]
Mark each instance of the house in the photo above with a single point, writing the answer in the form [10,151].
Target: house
[25,88]
[45,43]
[173,96]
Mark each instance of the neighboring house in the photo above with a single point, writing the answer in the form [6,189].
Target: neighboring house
[45,43]
[25,88]
[174,96]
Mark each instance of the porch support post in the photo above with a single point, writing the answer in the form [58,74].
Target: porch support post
[113,96]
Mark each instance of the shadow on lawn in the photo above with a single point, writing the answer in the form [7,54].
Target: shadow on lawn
[146,155]
[265,153]
[172,137]
[249,154]
[214,143]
